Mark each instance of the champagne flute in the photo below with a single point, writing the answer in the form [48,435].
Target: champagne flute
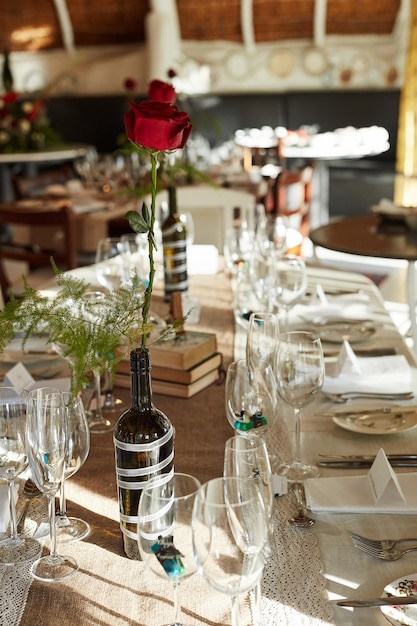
[247,458]
[300,374]
[230,532]
[78,447]
[46,441]
[13,461]
[164,530]
[290,282]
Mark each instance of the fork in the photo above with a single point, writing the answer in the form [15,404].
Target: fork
[380,550]
[350,395]
[382,544]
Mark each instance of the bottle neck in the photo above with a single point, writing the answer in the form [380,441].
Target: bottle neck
[172,200]
[141,389]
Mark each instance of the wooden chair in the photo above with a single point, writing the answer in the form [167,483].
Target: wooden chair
[292,195]
[35,255]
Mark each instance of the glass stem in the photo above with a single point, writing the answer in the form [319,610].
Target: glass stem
[256,609]
[177,605]
[297,456]
[62,498]
[12,505]
[97,385]
[52,527]
[235,611]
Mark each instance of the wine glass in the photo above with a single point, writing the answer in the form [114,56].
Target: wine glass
[78,447]
[290,282]
[262,338]
[250,403]
[109,263]
[247,458]
[98,423]
[13,461]
[135,256]
[164,530]
[46,442]
[300,374]
[230,532]
[238,247]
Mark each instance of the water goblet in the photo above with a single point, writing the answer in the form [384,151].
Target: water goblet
[247,458]
[230,531]
[78,447]
[13,461]
[300,373]
[46,441]
[290,283]
[164,530]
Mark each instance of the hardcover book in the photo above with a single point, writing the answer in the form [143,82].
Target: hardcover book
[168,388]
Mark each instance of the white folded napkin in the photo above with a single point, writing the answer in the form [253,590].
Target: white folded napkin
[341,308]
[386,374]
[352,494]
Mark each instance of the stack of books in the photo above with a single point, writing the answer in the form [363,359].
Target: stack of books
[182,366]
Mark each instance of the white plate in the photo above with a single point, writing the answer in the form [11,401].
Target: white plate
[378,423]
[400,615]
[354,332]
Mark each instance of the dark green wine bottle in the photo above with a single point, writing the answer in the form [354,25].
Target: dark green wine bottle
[7,76]
[174,241]
[144,447]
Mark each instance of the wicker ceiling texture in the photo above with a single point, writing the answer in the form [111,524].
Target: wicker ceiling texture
[31,26]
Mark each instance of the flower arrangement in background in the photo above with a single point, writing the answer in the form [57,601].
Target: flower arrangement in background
[24,123]
[155,127]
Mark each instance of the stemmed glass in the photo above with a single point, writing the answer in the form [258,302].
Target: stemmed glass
[262,338]
[13,461]
[96,420]
[109,263]
[300,374]
[250,397]
[111,273]
[78,447]
[164,530]
[230,532]
[46,442]
[290,282]
[247,458]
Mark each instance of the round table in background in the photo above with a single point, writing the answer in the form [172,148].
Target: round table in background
[372,235]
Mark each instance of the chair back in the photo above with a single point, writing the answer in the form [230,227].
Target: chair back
[213,210]
[37,255]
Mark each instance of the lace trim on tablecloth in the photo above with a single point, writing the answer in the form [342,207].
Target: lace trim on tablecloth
[293,585]
[15,580]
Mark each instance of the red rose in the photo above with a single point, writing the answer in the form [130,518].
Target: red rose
[157,125]
[161,92]
[10,97]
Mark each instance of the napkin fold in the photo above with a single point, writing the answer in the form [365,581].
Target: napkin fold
[344,307]
[386,374]
[352,494]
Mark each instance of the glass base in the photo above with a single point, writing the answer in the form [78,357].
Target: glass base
[71,529]
[51,569]
[111,403]
[297,472]
[98,424]
[20,550]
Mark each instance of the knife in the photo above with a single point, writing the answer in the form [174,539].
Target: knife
[388,601]
[363,463]
[384,410]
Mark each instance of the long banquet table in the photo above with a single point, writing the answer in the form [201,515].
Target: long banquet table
[308,569]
